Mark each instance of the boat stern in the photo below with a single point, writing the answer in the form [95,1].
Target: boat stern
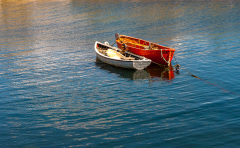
[141,64]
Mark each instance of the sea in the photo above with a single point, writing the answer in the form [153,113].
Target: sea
[54,92]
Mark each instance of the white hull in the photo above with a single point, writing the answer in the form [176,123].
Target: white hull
[139,63]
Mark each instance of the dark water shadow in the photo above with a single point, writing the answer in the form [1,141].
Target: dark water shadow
[162,73]
[155,72]
[123,72]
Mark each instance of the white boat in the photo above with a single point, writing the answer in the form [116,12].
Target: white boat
[113,56]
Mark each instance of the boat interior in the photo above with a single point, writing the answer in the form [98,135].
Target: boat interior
[134,42]
[115,53]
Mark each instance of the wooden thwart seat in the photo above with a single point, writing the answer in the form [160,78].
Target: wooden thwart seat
[116,55]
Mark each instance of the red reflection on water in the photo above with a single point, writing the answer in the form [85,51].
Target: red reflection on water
[163,72]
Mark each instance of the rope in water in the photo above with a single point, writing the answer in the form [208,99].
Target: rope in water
[223,89]
[177,66]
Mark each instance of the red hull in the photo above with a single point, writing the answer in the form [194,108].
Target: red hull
[158,54]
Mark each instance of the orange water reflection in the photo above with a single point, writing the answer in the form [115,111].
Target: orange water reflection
[155,72]
[162,72]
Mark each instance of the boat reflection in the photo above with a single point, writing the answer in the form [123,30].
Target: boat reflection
[123,72]
[153,72]
[165,73]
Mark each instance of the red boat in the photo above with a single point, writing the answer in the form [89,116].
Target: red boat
[158,54]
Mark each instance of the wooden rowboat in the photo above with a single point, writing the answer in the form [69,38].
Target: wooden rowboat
[158,54]
[113,56]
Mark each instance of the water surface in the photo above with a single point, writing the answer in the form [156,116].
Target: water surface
[55,93]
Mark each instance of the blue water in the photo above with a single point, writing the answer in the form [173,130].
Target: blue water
[55,93]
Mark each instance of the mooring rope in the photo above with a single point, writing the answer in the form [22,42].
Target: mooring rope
[164,58]
[113,44]
[223,89]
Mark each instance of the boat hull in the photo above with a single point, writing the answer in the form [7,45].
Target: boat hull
[130,64]
[158,54]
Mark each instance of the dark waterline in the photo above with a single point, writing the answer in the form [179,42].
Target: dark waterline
[55,93]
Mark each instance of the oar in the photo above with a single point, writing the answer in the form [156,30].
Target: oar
[117,36]
[124,45]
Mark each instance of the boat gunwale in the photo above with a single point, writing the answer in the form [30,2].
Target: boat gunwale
[160,47]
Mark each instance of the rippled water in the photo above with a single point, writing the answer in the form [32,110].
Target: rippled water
[55,93]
